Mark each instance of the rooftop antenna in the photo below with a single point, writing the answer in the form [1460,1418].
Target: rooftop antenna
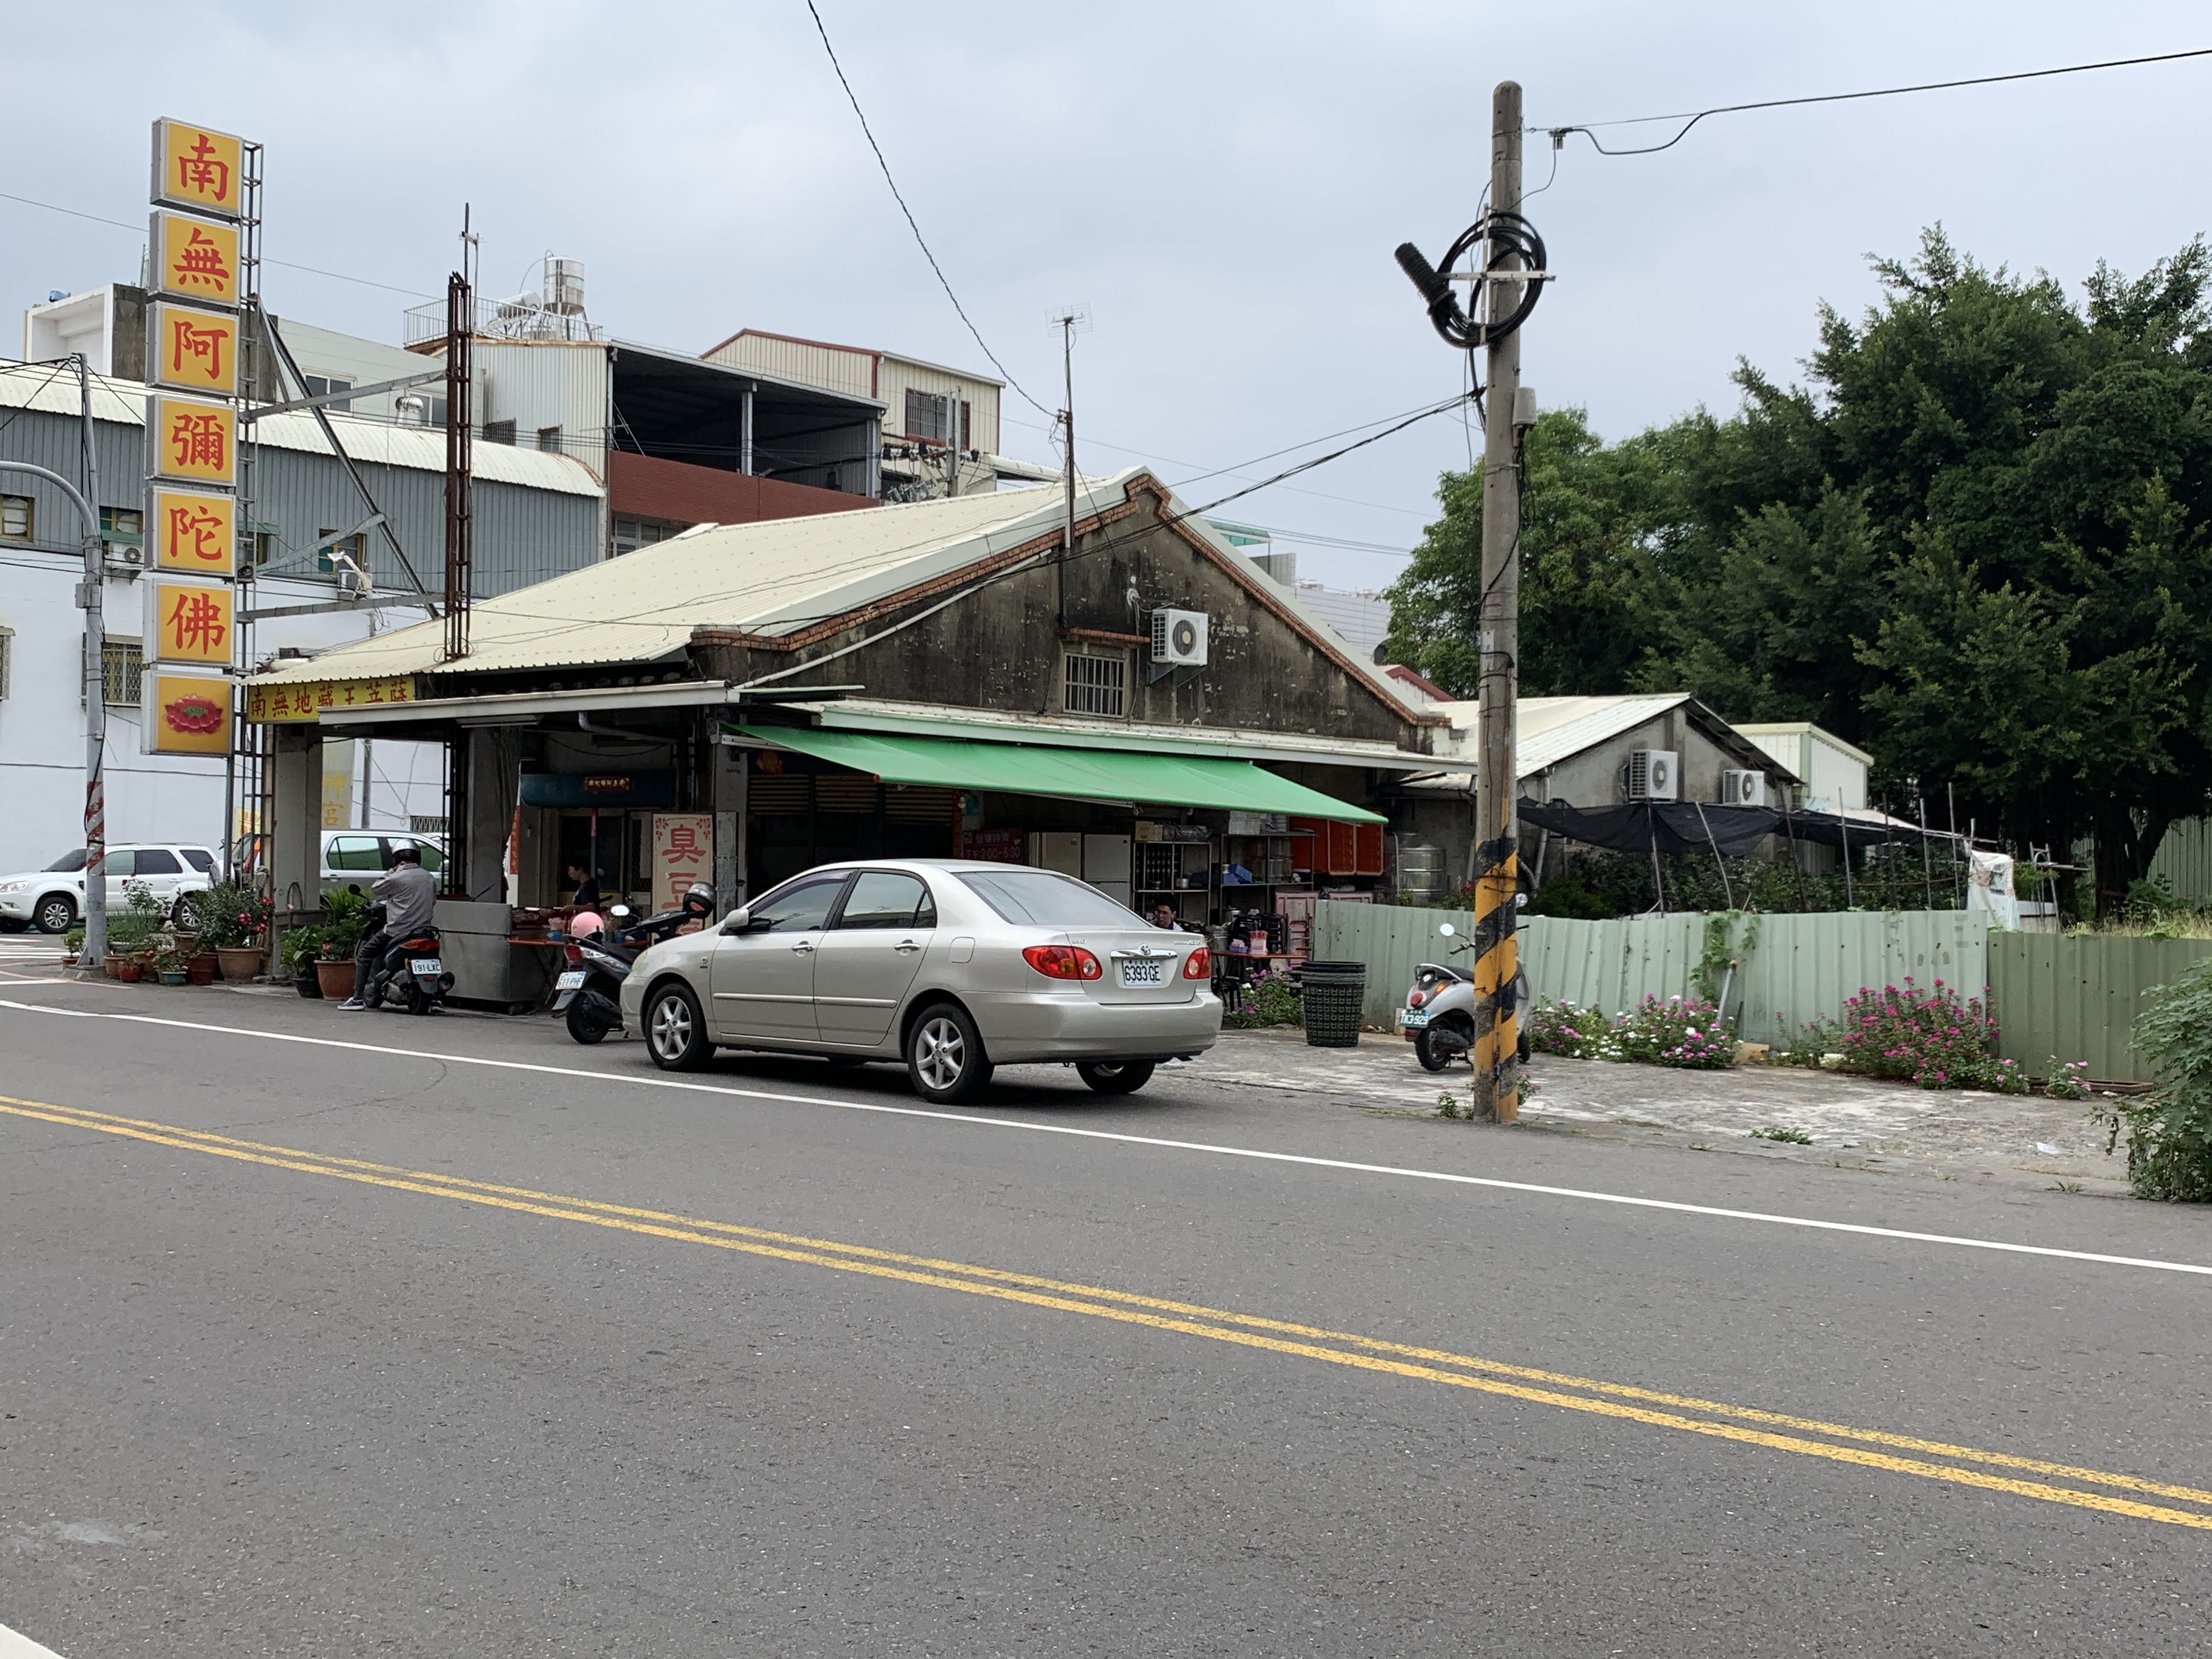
[1070,320]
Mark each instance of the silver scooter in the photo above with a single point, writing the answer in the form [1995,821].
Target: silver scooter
[1439,1014]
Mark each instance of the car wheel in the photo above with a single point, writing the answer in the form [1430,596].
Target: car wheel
[944,1056]
[1115,1077]
[675,1029]
[1432,1057]
[56,914]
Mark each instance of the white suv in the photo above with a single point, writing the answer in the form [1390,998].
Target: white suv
[52,899]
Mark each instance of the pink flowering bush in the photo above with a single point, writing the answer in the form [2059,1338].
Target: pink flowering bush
[1561,1027]
[1681,1032]
[1936,1038]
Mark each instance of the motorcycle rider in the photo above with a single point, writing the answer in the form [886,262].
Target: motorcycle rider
[409,894]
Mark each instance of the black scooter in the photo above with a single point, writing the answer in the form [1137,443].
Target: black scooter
[409,971]
[590,991]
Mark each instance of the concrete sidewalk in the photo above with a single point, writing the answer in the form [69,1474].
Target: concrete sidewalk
[1855,1122]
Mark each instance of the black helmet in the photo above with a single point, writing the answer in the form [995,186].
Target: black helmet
[699,901]
[407,853]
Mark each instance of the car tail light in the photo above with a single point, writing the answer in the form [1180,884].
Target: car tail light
[1199,964]
[574,952]
[1063,962]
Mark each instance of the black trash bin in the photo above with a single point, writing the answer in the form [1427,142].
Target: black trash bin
[1333,992]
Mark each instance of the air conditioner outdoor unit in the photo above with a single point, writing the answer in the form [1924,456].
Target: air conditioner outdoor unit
[1179,638]
[1654,774]
[1743,788]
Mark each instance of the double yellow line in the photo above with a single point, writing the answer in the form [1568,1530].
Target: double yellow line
[1898,1454]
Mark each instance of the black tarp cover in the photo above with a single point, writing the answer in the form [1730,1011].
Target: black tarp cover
[1686,826]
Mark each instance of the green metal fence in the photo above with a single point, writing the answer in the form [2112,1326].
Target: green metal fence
[1797,967]
[2077,997]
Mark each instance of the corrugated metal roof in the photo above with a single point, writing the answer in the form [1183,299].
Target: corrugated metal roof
[1551,729]
[772,578]
[35,386]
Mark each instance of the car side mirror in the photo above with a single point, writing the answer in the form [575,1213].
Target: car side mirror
[738,920]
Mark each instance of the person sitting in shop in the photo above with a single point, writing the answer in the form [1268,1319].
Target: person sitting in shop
[1164,915]
[588,896]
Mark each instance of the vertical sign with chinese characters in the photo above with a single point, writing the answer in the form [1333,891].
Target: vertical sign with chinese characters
[682,856]
[196,336]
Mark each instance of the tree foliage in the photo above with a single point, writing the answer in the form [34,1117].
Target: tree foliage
[1975,543]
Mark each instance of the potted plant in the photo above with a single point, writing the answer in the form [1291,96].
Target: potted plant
[334,971]
[345,921]
[128,968]
[232,919]
[170,966]
[302,946]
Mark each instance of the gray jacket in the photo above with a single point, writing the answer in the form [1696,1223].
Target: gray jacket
[408,892]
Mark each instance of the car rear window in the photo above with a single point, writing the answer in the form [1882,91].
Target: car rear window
[200,857]
[1041,898]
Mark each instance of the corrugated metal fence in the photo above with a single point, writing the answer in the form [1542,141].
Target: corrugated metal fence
[2077,998]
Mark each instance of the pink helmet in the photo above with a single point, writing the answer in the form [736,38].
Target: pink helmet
[585,923]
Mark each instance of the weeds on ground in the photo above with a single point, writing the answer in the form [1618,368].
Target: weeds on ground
[1777,1131]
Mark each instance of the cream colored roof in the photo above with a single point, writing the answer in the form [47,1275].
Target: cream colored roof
[37,386]
[1550,729]
[774,577]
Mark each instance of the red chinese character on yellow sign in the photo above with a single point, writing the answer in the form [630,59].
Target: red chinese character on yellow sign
[192,532]
[190,624]
[196,257]
[195,350]
[194,441]
[197,168]
[682,855]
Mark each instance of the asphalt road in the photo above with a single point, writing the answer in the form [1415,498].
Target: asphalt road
[327,1334]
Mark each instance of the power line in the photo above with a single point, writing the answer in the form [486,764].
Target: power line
[1558,134]
[869,133]
[313,270]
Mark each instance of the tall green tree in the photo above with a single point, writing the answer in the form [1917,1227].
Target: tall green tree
[1976,542]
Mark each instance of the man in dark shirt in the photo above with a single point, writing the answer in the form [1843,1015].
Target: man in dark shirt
[587,888]
[409,896]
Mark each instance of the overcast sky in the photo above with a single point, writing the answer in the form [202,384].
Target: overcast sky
[1222,184]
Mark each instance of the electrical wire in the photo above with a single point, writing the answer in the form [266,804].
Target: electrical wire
[313,270]
[1558,134]
[867,133]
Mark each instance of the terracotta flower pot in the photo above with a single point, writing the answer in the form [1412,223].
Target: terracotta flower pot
[239,963]
[199,968]
[335,979]
[112,965]
[126,969]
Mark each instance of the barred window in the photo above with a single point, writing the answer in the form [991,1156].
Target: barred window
[1096,685]
[15,518]
[121,667]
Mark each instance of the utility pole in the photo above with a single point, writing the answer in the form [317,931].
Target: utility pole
[1508,275]
[95,692]
[1067,320]
[1497,784]
[460,329]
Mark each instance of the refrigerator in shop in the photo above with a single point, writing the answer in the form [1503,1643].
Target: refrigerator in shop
[1106,866]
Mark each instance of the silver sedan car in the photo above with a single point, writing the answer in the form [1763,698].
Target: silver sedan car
[956,967]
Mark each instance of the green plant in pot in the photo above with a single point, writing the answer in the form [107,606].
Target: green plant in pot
[169,963]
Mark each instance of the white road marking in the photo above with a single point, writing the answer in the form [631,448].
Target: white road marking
[650,1080]
[13,1645]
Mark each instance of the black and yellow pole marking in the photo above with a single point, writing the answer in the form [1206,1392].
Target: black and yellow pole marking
[1496,1056]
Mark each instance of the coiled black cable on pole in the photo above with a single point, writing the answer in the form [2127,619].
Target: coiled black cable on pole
[1509,237]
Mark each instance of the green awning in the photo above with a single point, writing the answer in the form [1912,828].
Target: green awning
[1029,768]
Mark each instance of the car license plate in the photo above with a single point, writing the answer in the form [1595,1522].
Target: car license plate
[1142,972]
[1413,1018]
[427,967]
[571,981]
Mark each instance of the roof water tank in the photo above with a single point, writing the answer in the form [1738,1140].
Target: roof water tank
[564,286]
